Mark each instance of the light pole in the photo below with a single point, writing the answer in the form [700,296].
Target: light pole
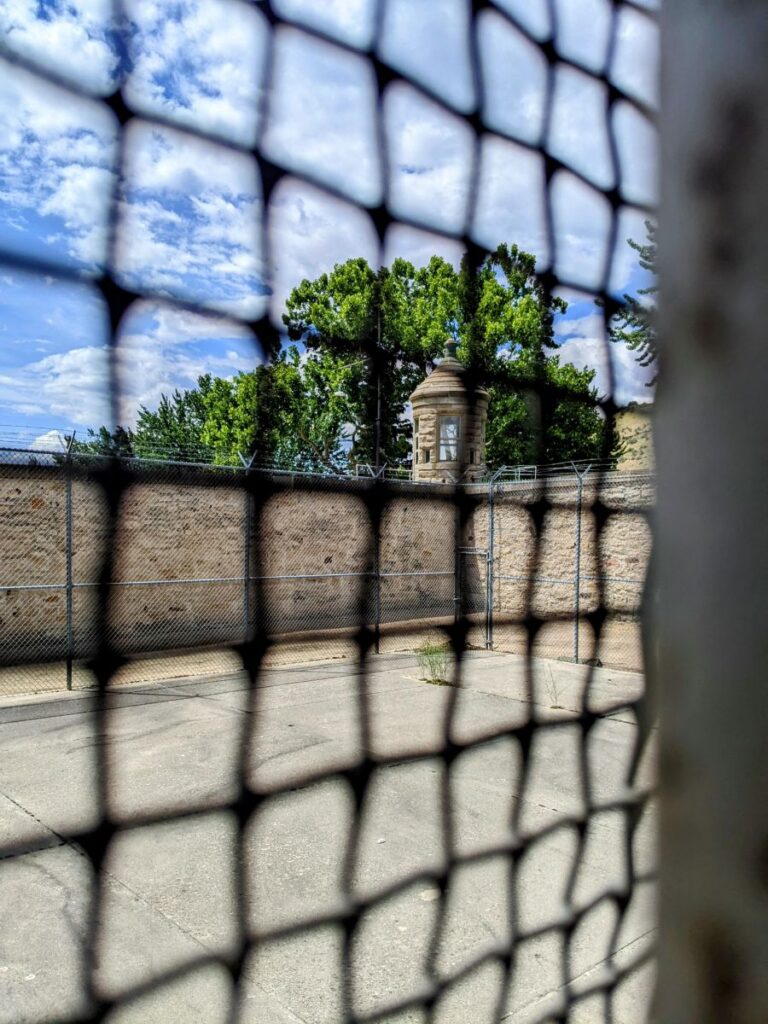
[377,442]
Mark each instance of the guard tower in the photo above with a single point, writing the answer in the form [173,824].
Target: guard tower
[448,430]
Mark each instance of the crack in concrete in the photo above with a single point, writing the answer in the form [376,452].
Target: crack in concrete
[121,884]
[576,977]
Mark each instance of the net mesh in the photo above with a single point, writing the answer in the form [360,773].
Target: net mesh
[251,791]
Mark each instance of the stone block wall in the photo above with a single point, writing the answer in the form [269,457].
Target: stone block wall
[312,554]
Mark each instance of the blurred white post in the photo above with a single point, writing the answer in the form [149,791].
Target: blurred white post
[712,522]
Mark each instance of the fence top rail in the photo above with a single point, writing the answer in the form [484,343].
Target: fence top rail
[506,477]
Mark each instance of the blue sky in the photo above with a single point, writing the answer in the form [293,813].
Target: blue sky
[189,210]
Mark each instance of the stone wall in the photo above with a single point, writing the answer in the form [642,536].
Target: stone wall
[180,560]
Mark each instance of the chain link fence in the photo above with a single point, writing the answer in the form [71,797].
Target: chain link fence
[185,579]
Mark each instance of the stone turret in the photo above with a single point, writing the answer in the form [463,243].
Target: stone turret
[448,430]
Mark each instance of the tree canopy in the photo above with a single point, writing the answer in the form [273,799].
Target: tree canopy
[103,442]
[396,321]
[361,341]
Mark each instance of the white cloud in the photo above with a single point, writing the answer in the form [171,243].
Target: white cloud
[203,69]
[581,224]
[309,233]
[583,31]
[429,43]
[510,203]
[579,129]
[585,345]
[322,115]
[161,348]
[173,326]
[631,225]
[635,66]
[163,158]
[533,15]
[72,39]
[636,141]
[189,223]
[419,246]
[71,386]
[56,156]
[50,441]
[191,216]
[81,198]
[430,155]
[350,21]
[511,66]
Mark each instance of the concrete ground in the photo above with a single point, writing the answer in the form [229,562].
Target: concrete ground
[620,648]
[168,893]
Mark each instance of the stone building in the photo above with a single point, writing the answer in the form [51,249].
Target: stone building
[448,428]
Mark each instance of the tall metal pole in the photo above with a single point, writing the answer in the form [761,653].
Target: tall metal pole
[247,464]
[377,448]
[376,470]
[378,420]
[68,557]
[490,565]
[377,593]
[489,572]
[458,588]
[577,572]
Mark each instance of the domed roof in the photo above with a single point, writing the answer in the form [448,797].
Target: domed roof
[447,379]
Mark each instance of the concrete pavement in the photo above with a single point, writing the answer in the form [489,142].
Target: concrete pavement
[168,892]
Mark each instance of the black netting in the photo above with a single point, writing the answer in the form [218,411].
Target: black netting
[414,566]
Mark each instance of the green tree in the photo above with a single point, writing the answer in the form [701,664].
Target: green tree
[390,324]
[540,410]
[291,412]
[370,337]
[104,442]
[174,429]
[395,321]
[634,324]
[249,408]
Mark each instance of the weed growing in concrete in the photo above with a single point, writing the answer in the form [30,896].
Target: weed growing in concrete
[434,664]
[553,689]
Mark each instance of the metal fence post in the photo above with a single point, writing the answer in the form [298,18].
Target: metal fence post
[247,464]
[68,557]
[489,572]
[377,590]
[457,571]
[577,572]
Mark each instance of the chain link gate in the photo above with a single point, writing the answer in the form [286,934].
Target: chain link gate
[573,569]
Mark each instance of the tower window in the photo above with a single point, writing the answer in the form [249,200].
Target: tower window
[449,438]
[472,455]
[426,454]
